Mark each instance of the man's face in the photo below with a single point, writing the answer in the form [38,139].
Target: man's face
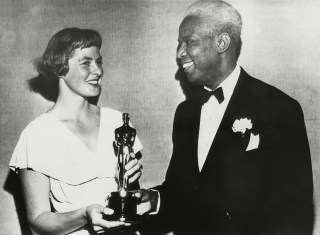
[197,53]
[85,72]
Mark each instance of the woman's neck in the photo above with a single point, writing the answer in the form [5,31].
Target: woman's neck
[76,108]
[72,106]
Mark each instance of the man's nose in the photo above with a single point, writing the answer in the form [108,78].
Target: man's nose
[181,52]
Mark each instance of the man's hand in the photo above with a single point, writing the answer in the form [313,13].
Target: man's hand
[149,201]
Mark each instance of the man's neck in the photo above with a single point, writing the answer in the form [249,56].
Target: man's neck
[224,72]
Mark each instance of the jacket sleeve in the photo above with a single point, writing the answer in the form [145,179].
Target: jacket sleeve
[167,188]
[290,205]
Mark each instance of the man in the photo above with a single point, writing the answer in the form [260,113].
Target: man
[241,161]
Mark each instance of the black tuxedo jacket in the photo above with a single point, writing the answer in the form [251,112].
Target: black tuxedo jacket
[267,190]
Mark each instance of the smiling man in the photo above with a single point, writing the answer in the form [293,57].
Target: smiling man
[241,160]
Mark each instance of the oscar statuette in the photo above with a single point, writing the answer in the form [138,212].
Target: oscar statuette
[123,202]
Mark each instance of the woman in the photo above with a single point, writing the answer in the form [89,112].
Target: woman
[65,157]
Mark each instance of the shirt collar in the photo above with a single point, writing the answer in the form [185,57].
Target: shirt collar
[229,83]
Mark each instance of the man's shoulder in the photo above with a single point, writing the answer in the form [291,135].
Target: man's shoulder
[188,106]
[258,89]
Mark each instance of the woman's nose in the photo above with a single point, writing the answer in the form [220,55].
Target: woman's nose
[97,69]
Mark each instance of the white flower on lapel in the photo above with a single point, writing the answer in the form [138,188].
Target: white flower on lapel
[241,125]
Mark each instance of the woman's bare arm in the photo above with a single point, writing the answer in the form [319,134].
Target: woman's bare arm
[36,189]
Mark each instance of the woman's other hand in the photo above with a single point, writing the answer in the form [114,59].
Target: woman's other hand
[133,169]
[94,216]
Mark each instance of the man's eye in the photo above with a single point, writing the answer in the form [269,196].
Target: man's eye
[99,62]
[189,42]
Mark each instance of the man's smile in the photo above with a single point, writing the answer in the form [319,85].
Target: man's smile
[188,64]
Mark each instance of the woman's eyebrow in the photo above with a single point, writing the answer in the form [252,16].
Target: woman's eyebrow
[90,58]
[86,58]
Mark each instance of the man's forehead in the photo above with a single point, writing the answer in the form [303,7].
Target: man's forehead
[191,25]
[190,21]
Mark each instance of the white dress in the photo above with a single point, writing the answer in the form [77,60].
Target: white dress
[78,177]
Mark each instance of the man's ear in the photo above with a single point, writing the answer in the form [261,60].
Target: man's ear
[223,41]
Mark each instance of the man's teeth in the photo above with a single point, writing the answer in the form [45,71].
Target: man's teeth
[187,64]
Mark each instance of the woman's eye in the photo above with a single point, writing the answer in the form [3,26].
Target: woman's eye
[86,63]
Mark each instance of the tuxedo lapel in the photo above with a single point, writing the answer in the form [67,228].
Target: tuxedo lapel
[192,125]
[227,145]
[196,120]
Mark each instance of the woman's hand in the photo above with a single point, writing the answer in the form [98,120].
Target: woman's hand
[133,169]
[94,216]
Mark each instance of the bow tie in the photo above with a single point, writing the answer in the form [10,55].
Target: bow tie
[218,93]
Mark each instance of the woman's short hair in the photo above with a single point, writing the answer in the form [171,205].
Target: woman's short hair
[54,62]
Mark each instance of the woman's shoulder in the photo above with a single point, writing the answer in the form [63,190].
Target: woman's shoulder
[111,115]
[110,111]
[110,118]
[40,123]
[47,146]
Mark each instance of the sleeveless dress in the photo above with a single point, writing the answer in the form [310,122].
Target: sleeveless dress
[78,177]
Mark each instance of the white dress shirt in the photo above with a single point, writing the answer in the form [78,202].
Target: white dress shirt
[211,116]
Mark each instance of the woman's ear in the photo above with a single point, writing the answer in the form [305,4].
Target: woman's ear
[224,41]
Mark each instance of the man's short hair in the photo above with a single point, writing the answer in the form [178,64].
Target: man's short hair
[221,17]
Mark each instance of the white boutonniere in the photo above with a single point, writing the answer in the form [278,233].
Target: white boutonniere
[242,125]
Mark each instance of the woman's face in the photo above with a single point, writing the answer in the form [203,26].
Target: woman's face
[85,72]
